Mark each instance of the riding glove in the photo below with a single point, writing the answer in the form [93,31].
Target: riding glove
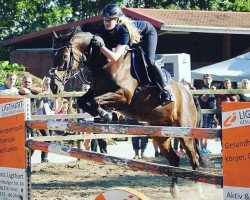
[96,44]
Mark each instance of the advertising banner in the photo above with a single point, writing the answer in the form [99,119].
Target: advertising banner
[236,150]
[13,177]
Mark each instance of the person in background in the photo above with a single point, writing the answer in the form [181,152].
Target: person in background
[45,106]
[225,97]
[139,144]
[187,84]
[27,87]
[9,86]
[119,32]
[64,108]
[245,84]
[101,142]
[207,101]
[156,148]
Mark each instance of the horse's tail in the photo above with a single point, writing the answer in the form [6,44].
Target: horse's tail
[199,115]
[202,159]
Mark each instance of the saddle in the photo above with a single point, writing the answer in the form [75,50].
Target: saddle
[141,71]
[139,67]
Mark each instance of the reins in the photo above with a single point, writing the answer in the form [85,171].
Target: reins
[69,67]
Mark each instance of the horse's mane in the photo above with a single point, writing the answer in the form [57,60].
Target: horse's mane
[84,32]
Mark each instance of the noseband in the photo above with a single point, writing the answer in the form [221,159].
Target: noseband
[68,66]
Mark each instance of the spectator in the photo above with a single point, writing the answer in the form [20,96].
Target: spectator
[245,84]
[156,148]
[225,97]
[101,142]
[47,105]
[9,86]
[27,87]
[65,108]
[44,106]
[207,101]
[139,143]
[187,84]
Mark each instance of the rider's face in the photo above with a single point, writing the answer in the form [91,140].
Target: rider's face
[110,23]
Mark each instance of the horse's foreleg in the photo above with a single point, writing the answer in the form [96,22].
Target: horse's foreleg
[110,99]
[84,102]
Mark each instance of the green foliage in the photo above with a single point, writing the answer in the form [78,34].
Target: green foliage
[238,5]
[25,16]
[6,67]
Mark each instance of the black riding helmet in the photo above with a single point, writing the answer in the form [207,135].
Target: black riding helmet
[112,11]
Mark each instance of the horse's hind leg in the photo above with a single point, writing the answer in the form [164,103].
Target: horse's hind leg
[190,147]
[173,159]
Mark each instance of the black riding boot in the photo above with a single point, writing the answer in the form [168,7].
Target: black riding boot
[165,95]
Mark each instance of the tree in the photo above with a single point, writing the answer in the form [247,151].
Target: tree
[237,5]
[24,16]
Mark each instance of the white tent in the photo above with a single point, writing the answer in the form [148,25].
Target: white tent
[235,69]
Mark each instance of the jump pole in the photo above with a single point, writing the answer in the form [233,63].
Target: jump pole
[156,131]
[133,164]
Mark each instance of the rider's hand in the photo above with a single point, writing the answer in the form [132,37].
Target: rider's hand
[96,44]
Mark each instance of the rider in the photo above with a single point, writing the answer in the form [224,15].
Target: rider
[117,32]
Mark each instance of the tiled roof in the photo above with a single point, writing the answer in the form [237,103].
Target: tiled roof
[194,17]
[170,20]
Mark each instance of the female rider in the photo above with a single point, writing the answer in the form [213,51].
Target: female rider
[117,33]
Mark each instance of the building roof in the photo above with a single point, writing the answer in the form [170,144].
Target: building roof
[195,20]
[165,20]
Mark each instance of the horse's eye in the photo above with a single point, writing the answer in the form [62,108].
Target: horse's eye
[65,57]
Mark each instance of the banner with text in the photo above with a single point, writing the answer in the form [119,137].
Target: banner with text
[13,176]
[236,150]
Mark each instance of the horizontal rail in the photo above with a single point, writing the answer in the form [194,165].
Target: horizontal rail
[210,111]
[43,94]
[155,131]
[59,116]
[221,91]
[78,94]
[82,116]
[133,164]
[82,137]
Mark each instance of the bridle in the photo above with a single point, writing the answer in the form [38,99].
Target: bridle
[68,66]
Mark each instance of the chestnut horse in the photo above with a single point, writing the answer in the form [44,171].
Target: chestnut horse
[113,87]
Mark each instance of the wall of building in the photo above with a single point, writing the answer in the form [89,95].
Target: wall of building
[38,62]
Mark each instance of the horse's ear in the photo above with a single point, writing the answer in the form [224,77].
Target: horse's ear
[78,29]
[71,33]
[55,36]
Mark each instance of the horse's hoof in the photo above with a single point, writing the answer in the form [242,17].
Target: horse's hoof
[108,117]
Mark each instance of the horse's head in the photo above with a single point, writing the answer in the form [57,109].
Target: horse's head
[69,51]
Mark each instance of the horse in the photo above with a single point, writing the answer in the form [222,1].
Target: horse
[114,88]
